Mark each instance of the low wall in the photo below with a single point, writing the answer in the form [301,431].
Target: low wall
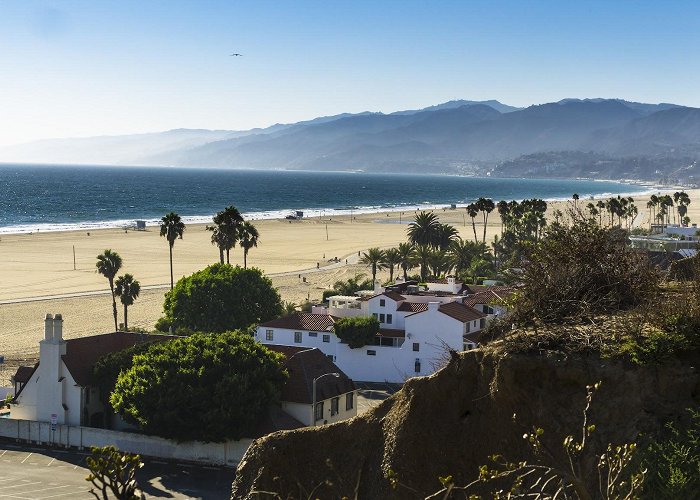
[228,453]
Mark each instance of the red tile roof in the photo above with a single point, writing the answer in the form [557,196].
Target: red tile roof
[303,321]
[304,365]
[413,307]
[395,296]
[460,312]
[493,295]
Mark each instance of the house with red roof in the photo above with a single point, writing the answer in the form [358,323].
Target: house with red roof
[61,387]
[418,328]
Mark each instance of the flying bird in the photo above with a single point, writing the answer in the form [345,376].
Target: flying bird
[236,54]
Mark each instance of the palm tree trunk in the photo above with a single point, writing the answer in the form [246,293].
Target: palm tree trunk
[114,305]
[228,252]
[486,218]
[405,274]
[391,272]
[126,324]
[374,274]
[245,258]
[172,283]
[476,240]
[221,254]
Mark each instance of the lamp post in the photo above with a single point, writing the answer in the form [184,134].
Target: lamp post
[313,391]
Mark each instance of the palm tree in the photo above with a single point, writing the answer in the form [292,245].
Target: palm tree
[423,256]
[462,252]
[485,206]
[423,229]
[440,262]
[219,238]
[108,265]
[227,222]
[172,227]
[444,235]
[127,289]
[373,257]
[478,267]
[248,238]
[473,211]
[392,258]
[407,254]
[352,285]
[504,211]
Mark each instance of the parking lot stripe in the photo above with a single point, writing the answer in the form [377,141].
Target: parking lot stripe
[72,493]
[52,460]
[19,486]
[25,458]
[4,451]
[46,489]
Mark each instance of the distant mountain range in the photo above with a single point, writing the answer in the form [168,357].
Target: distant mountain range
[597,138]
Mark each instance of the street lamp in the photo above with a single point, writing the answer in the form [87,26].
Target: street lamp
[313,391]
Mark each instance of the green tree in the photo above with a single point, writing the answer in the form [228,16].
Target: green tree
[408,258]
[171,227]
[220,298]
[478,267]
[248,238]
[423,230]
[392,258]
[444,235]
[227,224]
[204,387]
[373,257]
[440,262]
[423,255]
[352,285]
[357,332]
[462,252]
[108,265]
[113,472]
[127,289]
[473,211]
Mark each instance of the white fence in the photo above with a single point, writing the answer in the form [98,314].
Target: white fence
[228,453]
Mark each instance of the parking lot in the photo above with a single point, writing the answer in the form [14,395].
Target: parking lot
[35,473]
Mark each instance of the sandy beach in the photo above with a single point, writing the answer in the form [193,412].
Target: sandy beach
[39,273]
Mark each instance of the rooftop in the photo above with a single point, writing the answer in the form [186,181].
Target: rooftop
[303,321]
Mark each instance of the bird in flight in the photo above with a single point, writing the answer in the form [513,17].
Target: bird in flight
[237,55]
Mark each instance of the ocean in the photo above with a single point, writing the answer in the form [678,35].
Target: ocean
[61,198]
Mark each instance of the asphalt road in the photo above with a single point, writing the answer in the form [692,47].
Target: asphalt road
[32,473]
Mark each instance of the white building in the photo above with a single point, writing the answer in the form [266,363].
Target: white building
[418,328]
[61,388]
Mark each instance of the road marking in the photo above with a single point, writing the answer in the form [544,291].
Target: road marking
[5,451]
[46,489]
[52,460]
[19,485]
[25,458]
[63,494]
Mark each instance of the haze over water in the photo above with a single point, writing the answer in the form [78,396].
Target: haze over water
[50,198]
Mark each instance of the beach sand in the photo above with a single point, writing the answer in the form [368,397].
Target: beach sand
[39,270]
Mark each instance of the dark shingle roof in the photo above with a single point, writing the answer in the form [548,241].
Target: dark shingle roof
[304,365]
[493,295]
[413,307]
[392,332]
[82,353]
[303,321]
[23,373]
[460,312]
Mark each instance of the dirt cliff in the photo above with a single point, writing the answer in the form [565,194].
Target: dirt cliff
[451,422]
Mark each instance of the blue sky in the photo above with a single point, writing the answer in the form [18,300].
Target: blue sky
[79,68]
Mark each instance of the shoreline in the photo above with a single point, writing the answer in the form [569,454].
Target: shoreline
[309,213]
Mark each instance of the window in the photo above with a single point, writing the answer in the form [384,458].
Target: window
[331,357]
[313,334]
[381,318]
[326,338]
[466,327]
[297,337]
[349,401]
[382,302]
[417,366]
[488,310]
[371,352]
[318,412]
[416,346]
[269,335]
[335,402]
[389,318]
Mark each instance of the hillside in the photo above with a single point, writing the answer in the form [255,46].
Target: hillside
[451,422]
[626,140]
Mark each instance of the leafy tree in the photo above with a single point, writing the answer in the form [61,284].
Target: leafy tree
[220,298]
[392,258]
[171,227]
[373,257]
[204,387]
[108,265]
[478,267]
[220,238]
[127,289]
[423,230]
[357,332]
[248,238]
[112,471]
[407,254]
[440,262]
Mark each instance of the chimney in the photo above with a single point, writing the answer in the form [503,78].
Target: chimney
[48,327]
[58,328]
[377,286]
[433,306]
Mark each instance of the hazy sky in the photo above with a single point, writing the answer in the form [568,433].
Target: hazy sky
[79,68]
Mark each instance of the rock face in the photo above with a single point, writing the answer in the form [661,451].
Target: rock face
[451,422]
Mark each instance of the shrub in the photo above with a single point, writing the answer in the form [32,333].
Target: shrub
[357,332]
